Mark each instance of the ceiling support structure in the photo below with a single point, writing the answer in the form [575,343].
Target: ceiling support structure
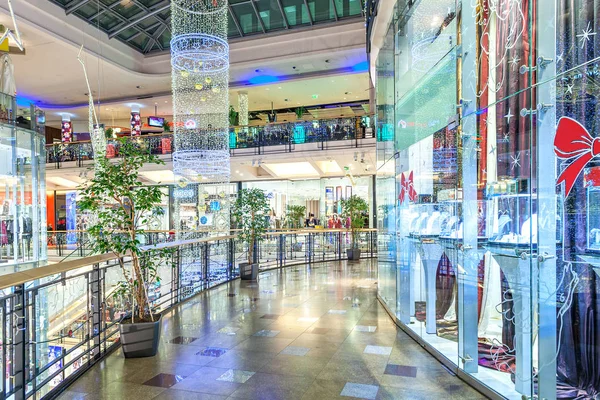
[137,20]
[235,20]
[283,17]
[260,21]
[308,11]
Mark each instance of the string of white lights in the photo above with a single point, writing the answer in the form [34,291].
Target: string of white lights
[200,81]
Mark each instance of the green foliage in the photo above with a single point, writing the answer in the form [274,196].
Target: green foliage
[251,212]
[121,206]
[355,208]
[295,215]
[300,111]
[234,116]
[166,126]
[108,133]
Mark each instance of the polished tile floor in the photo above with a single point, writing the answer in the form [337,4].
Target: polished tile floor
[298,333]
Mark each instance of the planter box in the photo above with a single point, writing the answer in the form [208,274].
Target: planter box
[140,339]
[353,254]
[248,272]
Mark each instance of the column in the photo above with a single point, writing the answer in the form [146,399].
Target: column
[243,108]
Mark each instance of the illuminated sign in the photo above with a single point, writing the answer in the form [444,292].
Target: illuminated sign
[190,124]
[183,193]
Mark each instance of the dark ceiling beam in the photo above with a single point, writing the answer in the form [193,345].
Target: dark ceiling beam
[260,21]
[235,21]
[136,20]
[334,9]
[308,11]
[283,17]
[74,6]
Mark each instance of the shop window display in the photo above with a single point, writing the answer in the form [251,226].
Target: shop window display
[22,188]
[495,127]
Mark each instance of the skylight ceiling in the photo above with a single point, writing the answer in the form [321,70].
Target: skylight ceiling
[145,24]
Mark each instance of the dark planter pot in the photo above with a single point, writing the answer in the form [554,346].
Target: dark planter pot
[353,254]
[140,339]
[248,272]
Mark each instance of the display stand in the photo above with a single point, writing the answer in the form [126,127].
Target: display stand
[431,253]
[516,266]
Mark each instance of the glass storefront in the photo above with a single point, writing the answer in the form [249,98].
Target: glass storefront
[321,197]
[489,249]
[22,186]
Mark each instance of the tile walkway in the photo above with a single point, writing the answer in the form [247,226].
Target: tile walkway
[278,339]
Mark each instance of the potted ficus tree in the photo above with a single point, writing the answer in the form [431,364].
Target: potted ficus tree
[121,206]
[251,215]
[354,209]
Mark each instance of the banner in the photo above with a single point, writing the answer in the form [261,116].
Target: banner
[67,132]
[136,123]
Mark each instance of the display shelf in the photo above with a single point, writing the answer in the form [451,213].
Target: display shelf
[498,381]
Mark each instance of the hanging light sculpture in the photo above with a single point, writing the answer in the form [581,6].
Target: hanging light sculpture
[200,80]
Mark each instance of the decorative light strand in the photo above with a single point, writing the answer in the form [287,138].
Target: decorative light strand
[200,80]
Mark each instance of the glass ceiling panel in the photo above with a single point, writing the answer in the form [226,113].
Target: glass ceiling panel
[232,30]
[247,18]
[321,10]
[111,15]
[87,10]
[270,15]
[127,9]
[296,12]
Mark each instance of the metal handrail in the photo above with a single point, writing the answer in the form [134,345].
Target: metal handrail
[39,306]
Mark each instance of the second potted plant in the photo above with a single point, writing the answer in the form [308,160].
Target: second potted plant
[251,215]
[354,209]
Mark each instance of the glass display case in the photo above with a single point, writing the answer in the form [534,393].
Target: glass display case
[592,184]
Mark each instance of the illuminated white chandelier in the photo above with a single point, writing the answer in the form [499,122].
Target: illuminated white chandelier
[200,81]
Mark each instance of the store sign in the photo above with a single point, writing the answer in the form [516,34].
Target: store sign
[136,124]
[66,132]
[184,193]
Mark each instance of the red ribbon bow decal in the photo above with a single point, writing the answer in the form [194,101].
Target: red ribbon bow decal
[574,142]
[407,188]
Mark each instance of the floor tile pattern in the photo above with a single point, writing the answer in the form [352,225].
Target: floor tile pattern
[164,380]
[259,345]
[401,370]
[183,340]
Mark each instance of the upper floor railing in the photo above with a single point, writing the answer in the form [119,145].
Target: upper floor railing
[257,138]
[59,320]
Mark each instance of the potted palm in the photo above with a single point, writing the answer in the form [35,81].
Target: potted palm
[354,209]
[294,220]
[121,206]
[251,215]
[295,215]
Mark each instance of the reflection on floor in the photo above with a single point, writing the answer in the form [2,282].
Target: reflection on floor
[299,333]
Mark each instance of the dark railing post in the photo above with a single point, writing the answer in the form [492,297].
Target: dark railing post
[339,245]
[205,265]
[18,345]
[281,250]
[96,308]
[175,276]
[230,258]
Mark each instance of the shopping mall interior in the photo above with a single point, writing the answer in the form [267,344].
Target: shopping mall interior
[300,199]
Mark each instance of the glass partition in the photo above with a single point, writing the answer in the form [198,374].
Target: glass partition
[495,144]
[22,187]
